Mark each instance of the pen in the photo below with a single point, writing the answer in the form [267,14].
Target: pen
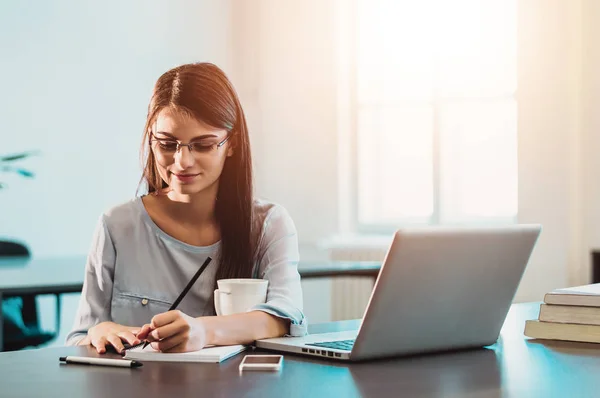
[184,292]
[123,363]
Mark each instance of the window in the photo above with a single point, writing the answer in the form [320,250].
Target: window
[434,112]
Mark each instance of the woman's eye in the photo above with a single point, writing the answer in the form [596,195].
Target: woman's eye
[201,147]
[168,145]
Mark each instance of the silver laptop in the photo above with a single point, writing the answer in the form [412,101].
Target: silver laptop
[439,289]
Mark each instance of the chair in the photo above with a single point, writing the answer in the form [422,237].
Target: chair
[21,326]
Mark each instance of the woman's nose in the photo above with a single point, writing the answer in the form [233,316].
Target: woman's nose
[184,157]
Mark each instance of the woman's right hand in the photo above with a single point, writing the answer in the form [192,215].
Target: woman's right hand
[110,333]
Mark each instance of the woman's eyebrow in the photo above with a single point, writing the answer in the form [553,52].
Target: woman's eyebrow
[200,137]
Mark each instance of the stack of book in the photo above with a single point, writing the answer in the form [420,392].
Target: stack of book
[571,314]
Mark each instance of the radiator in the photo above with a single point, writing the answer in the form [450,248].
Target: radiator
[350,295]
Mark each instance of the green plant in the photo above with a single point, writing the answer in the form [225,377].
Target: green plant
[7,165]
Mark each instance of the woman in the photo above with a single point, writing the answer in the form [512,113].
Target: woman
[199,203]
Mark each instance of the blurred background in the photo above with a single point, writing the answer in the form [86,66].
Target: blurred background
[364,115]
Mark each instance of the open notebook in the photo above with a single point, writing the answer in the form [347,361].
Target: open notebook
[208,354]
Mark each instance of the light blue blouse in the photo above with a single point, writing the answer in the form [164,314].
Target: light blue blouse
[135,270]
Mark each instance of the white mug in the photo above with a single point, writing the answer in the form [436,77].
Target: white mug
[239,295]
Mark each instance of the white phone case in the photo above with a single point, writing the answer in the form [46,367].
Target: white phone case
[275,366]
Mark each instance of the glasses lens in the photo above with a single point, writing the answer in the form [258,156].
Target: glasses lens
[167,146]
[199,147]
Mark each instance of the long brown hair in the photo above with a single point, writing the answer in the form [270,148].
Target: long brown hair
[203,91]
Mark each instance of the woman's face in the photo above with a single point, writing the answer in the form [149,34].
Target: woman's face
[186,171]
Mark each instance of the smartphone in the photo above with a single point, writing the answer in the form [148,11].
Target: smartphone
[262,362]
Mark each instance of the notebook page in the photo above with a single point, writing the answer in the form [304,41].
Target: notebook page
[208,354]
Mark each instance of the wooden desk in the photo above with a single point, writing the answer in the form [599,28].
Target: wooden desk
[60,275]
[513,367]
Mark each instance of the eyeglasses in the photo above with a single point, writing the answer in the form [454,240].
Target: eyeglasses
[170,147]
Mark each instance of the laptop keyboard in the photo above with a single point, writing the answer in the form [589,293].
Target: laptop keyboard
[338,345]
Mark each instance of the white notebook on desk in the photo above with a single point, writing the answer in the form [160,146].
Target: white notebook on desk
[213,354]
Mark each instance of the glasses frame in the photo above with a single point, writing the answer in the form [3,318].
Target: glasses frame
[189,144]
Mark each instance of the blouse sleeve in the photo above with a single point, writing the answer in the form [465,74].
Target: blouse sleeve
[279,265]
[94,303]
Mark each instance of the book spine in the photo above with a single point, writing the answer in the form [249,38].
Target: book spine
[549,331]
[575,315]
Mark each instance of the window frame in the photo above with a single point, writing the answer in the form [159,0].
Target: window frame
[349,110]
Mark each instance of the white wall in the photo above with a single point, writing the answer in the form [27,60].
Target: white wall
[549,140]
[76,78]
[591,129]
[559,137]
[285,72]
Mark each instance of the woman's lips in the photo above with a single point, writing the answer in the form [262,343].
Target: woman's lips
[186,177]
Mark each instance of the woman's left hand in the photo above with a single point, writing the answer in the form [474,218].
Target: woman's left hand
[174,331]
